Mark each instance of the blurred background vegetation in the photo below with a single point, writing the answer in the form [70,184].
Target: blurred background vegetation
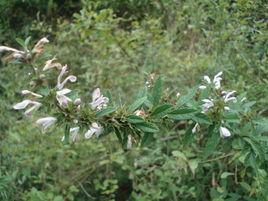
[116,45]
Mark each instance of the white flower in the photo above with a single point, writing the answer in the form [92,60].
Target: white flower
[46,122]
[74,135]
[206,78]
[52,64]
[178,95]
[217,80]
[139,113]
[202,87]
[224,132]
[226,108]
[207,104]
[77,101]
[25,103]
[94,129]
[62,99]
[129,142]
[70,78]
[243,99]
[195,128]
[10,49]
[39,46]
[98,100]
[229,96]
[27,92]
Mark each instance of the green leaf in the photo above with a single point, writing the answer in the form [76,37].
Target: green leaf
[179,154]
[146,139]
[161,110]
[147,127]
[189,135]
[226,174]
[137,104]
[201,118]
[157,91]
[21,42]
[135,119]
[105,111]
[182,114]
[193,164]
[212,142]
[231,117]
[27,41]
[184,99]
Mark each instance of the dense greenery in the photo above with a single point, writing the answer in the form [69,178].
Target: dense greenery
[122,46]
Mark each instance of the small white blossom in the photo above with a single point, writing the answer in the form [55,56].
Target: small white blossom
[52,64]
[224,132]
[61,97]
[229,96]
[39,46]
[178,95]
[74,135]
[195,128]
[243,99]
[217,80]
[207,104]
[139,113]
[98,100]
[71,78]
[27,92]
[25,103]
[46,122]
[226,108]
[77,101]
[202,87]
[129,142]
[95,128]
[206,78]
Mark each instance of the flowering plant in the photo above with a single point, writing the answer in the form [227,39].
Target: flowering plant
[207,110]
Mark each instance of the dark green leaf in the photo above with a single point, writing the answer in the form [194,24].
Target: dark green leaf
[201,118]
[147,127]
[161,110]
[184,99]
[135,119]
[182,114]
[137,104]
[105,111]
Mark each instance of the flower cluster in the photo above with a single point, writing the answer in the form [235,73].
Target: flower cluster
[220,96]
[26,54]
[34,100]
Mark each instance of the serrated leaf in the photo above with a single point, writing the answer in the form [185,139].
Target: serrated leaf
[161,110]
[105,111]
[137,104]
